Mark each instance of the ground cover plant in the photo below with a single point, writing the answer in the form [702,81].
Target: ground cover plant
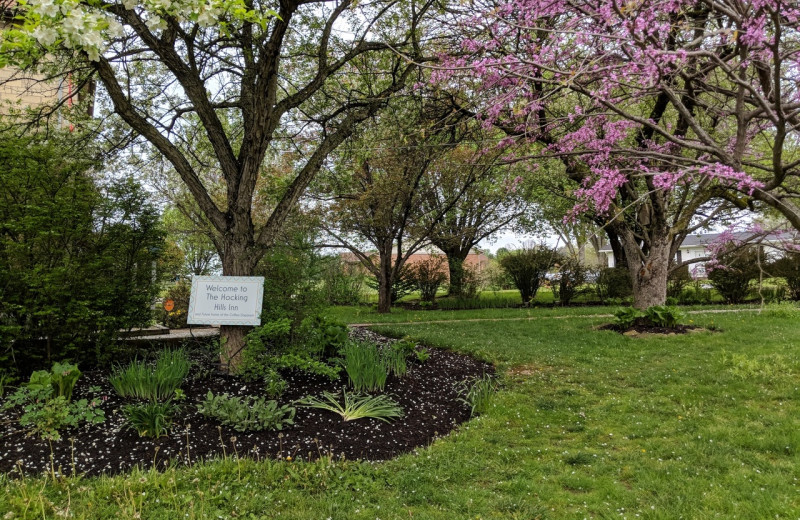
[587,424]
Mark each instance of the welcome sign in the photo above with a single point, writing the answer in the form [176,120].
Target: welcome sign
[226,300]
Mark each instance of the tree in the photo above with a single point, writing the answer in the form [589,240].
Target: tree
[491,198]
[660,111]
[285,73]
[377,212]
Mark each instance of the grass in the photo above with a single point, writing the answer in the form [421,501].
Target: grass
[587,424]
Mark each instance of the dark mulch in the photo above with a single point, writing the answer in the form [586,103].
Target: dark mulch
[650,329]
[427,395]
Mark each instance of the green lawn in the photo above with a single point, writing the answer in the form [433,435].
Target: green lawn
[588,424]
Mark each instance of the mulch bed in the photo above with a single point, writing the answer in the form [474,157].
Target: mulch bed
[650,329]
[427,394]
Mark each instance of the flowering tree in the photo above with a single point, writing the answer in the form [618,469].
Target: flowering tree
[288,72]
[659,109]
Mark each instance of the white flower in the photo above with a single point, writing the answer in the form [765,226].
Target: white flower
[47,8]
[155,23]
[45,35]
[130,4]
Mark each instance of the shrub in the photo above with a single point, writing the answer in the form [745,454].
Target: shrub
[157,382]
[571,275]
[381,407]
[343,282]
[677,280]
[151,419]
[262,344]
[268,349]
[788,267]
[365,366]
[307,364]
[527,267]
[613,283]
[248,413]
[736,269]
[471,283]
[322,336]
[75,258]
[477,393]
[429,275]
[176,318]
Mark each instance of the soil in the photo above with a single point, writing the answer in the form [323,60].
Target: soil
[427,393]
[650,329]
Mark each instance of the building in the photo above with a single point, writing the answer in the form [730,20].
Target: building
[19,90]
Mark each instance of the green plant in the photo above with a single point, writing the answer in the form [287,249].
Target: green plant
[395,362]
[405,347]
[527,267]
[46,413]
[677,280]
[150,419]
[355,406]
[307,364]
[157,382]
[364,365]
[664,316]
[477,393]
[64,376]
[429,275]
[262,344]
[402,285]
[322,336]
[731,277]
[788,267]
[343,281]
[422,355]
[248,413]
[627,317]
[613,283]
[571,275]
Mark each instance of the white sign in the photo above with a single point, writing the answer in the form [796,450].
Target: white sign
[226,300]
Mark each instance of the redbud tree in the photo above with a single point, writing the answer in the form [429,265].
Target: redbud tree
[665,112]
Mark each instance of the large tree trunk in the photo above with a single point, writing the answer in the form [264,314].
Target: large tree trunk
[455,266]
[385,280]
[237,260]
[649,278]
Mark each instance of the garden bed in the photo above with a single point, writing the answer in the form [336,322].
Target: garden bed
[651,329]
[428,395]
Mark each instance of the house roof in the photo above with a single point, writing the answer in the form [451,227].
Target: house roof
[701,240]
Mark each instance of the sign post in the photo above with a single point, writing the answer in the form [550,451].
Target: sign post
[226,300]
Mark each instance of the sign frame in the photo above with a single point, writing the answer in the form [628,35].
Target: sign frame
[198,313]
